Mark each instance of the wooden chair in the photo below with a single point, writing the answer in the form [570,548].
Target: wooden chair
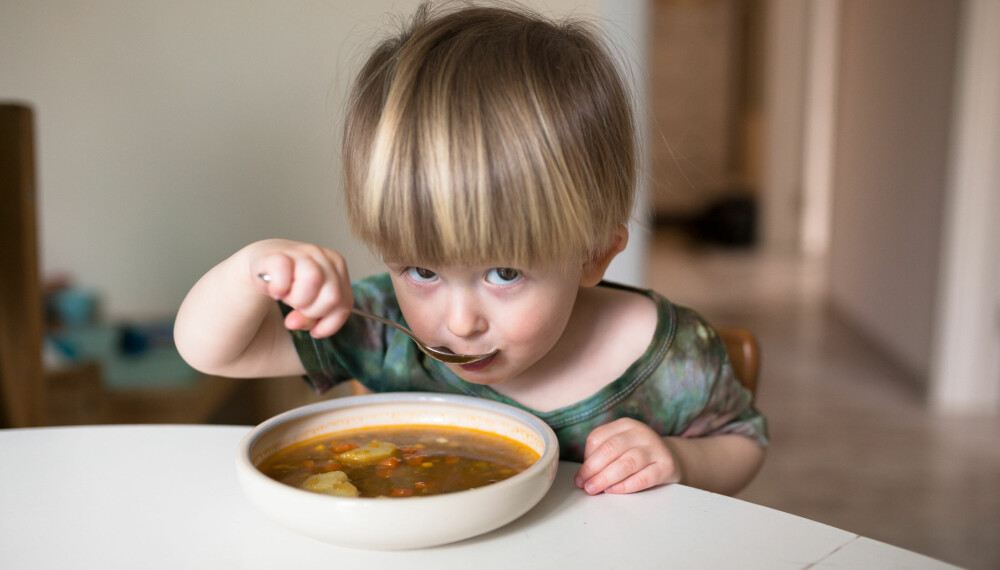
[741,344]
[744,354]
[22,380]
[29,394]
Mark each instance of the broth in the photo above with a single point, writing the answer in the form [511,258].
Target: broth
[399,461]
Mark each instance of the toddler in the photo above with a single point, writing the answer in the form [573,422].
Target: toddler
[490,161]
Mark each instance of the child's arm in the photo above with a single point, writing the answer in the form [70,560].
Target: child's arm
[230,325]
[626,456]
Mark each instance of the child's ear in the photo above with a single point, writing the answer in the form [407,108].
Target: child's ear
[594,268]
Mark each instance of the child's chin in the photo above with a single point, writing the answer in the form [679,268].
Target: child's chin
[484,378]
[481,379]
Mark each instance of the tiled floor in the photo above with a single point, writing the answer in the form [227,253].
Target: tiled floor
[852,445]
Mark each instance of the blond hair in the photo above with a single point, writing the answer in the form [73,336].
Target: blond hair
[489,135]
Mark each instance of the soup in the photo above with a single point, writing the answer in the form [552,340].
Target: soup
[399,461]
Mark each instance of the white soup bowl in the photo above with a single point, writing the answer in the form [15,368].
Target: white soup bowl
[397,523]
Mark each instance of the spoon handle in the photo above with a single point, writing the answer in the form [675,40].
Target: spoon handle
[434,353]
[391,323]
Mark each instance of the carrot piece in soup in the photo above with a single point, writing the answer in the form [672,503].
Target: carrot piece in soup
[342,446]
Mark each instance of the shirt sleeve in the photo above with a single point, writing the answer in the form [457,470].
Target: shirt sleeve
[727,405]
[358,349]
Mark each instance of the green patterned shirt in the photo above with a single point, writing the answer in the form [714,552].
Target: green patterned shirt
[683,385]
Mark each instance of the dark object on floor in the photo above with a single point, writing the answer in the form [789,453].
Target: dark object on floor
[729,221]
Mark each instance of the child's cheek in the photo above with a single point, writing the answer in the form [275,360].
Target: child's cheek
[533,330]
[421,320]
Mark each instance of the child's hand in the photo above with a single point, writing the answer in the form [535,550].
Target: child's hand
[626,456]
[310,279]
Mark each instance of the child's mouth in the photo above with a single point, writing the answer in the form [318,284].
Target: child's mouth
[479,364]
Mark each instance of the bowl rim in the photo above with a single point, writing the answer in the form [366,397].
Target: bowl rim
[550,441]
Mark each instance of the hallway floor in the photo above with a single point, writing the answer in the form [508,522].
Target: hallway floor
[852,444]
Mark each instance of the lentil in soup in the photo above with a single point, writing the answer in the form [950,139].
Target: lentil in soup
[399,461]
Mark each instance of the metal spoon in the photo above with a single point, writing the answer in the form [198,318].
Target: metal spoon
[441,353]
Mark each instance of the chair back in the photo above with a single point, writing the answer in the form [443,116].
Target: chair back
[22,380]
[744,355]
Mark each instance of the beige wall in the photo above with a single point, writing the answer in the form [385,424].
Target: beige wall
[890,169]
[172,133]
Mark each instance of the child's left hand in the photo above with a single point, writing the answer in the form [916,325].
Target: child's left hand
[626,456]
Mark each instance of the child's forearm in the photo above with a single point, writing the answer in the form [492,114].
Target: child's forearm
[721,464]
[227,327]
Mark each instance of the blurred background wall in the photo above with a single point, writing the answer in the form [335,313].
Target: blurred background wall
[170,134]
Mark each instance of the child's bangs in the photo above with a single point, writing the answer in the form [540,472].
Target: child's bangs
[445,212]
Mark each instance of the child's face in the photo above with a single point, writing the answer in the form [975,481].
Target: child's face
[474,310]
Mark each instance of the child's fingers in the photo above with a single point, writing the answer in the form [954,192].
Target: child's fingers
[307,280]
[631,462]
[591,475]
[626,461]
[313,281]
[601,434]
[272,275]
[623,457]
[296,321]
[320,283]
[334,295]
[602,448]
[318,328]
[329,324]
[642,479]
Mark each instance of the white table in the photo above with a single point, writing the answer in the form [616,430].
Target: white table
[167,497]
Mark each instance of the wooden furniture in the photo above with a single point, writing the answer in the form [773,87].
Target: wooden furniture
[30,395]
[22,386]
[744,354]
[73,395]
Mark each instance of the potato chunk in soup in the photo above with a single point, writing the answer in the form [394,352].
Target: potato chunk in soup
[332,483]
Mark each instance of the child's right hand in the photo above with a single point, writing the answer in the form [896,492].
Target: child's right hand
[312,280]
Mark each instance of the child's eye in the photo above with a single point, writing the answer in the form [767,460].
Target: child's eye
[503,275]
[420,274]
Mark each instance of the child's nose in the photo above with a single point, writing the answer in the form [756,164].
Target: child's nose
[465,318]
